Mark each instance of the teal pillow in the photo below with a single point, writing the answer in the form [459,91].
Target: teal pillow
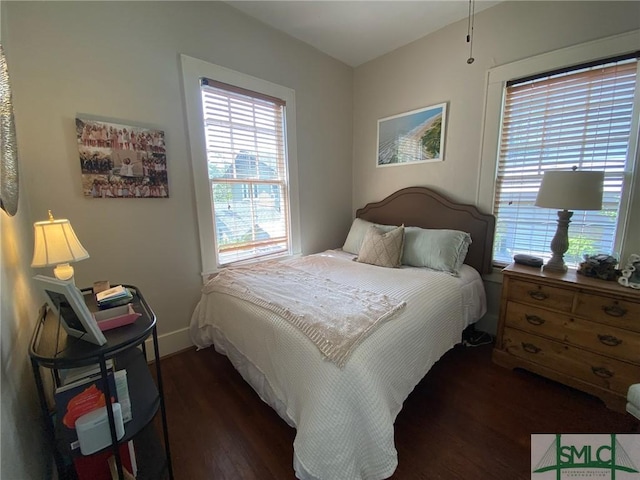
[358,229]
[443,250]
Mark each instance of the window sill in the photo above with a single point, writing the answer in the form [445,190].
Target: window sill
[495,276]
[206,276]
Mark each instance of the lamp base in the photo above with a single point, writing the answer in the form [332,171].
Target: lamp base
[560,243]
[555,265]
[64,271]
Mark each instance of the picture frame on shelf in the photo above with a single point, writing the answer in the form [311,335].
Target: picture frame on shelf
[412,137]
[68,304]
[631,272]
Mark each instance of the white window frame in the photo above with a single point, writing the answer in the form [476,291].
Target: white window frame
[193,70]
[497,79]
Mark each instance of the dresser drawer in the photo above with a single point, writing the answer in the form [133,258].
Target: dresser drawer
[536,320]
[543,295]
[601,338]
[619,313]
[590,367]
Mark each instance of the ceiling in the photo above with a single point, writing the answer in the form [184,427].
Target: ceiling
[355,32]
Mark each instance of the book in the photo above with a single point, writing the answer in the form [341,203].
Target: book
[98,465]
[72,375]
[122,389]
[79,398]
[111,293]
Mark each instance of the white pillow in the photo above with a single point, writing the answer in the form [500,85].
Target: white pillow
[358,229]
[382,248]
[443,250]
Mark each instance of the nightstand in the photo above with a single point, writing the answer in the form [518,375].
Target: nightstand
[577,330]
[53,351]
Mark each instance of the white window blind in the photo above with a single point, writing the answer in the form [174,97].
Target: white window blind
[580,117]
[246,158]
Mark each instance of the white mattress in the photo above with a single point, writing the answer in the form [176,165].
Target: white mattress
[344,418]
[474,300]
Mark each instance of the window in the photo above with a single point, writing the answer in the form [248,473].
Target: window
[579,117]
[242,135]
[246,158]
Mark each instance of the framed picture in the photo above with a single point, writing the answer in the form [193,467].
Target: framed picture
[121,161]
[631,273]
[412,137]
[67,302]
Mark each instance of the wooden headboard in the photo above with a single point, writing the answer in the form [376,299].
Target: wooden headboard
[422,207]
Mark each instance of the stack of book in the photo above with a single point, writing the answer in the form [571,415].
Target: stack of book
[113,297]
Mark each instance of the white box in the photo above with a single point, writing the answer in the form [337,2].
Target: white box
[93,429]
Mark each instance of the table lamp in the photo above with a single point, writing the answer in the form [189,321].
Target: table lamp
[568,190]
[56,245]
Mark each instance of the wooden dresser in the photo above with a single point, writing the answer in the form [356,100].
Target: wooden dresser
[577,330]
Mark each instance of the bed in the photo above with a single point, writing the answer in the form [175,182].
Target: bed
[343,400]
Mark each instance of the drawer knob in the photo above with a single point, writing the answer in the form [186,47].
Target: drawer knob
[534,319]
[538,295]
[530,347]
[614,310]
[609,340]
[602,372]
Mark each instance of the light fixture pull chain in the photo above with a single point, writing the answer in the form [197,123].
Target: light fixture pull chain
[470,24]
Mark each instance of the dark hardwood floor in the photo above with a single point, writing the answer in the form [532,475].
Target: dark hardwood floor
[467,419]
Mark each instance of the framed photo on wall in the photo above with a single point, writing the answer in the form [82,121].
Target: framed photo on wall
[412,137]
[121,161]
[67,302]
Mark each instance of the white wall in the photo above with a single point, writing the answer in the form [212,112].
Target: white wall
[120,61]
[21,422]
[20,418]
[21,433]
[434,70]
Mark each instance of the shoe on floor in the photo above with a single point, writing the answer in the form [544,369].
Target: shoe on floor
[475,338]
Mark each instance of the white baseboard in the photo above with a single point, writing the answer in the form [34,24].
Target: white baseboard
[169,343]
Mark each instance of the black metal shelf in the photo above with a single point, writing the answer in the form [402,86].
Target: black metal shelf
[52,349]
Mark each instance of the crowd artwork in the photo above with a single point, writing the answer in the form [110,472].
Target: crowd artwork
[121,161]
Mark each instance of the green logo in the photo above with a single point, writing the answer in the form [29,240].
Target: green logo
[606,456]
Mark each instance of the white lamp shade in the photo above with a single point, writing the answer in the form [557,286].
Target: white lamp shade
[56,243]
[571,190]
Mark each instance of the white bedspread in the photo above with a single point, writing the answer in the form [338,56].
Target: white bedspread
[344,418]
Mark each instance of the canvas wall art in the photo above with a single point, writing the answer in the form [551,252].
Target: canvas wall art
[121,161]
[412,137]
